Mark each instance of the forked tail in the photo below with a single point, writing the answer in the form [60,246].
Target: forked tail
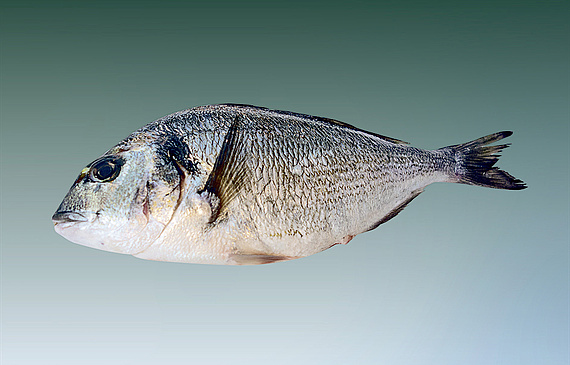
[473,163]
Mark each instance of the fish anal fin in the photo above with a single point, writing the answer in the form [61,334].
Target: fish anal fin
[253,259]
[230,171]
[394,212]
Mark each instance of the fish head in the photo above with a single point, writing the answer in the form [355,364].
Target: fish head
[121,202]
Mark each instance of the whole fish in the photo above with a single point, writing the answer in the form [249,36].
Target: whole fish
[242,185]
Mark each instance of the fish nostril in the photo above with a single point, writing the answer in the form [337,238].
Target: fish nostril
[66,216]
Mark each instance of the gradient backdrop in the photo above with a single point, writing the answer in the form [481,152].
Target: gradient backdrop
[465,275]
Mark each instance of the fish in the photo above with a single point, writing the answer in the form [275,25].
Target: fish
[234,184]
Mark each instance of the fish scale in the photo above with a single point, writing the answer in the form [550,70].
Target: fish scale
[238,184]
[324,192]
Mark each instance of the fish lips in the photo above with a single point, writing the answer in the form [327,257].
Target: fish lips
[76,227]
[68,217]
[63,219]
[86,229]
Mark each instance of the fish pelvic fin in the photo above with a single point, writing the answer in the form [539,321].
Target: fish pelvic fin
[473,163]
[245,259]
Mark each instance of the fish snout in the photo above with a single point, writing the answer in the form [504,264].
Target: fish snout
[68,217]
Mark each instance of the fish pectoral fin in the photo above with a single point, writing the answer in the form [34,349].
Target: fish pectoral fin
[253,259]
[394,212]
[230,172]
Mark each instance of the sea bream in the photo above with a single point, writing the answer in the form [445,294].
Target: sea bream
[243,185]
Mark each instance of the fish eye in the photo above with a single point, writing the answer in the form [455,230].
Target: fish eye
[107,169]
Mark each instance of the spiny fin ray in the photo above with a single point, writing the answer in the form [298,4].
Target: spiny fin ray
[394,212]
[326,121]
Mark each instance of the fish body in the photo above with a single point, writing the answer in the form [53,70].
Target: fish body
[238,184]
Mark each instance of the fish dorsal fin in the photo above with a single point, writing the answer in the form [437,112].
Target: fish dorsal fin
[230,171]
[323,120]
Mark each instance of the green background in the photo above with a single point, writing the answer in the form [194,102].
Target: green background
[465,275]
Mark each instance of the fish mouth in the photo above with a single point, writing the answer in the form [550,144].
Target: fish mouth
[68,217]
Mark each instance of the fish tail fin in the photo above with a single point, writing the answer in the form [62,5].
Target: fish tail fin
[473,163]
